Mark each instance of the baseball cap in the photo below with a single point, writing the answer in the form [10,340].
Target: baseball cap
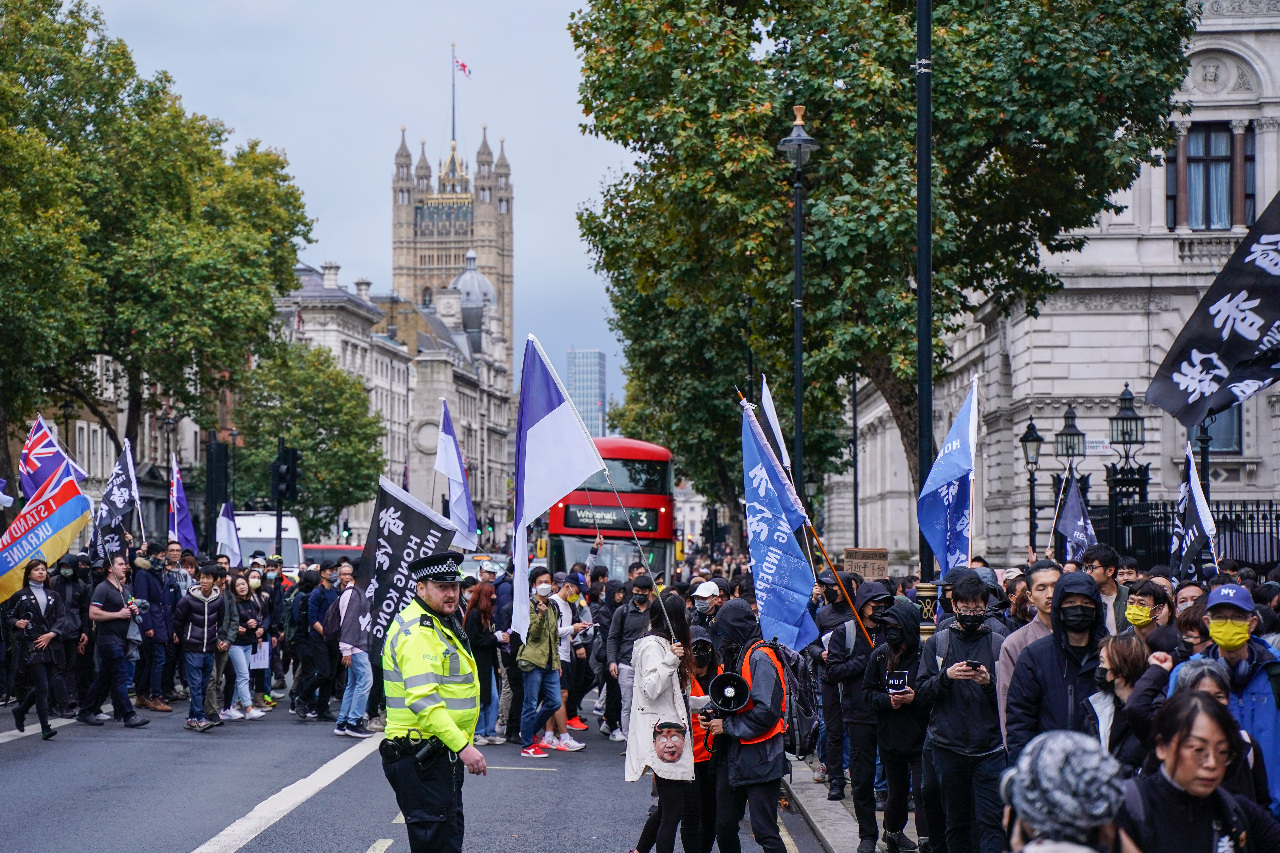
[706,589]
[828,578]
[1232,594]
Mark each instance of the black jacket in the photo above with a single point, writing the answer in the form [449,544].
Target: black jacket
[965,717]
[484,647]
[72,591]
[1124,745]
[899,732]
[846,666]
[53,618]
[628,624]
[1050,690]
[751,764]
[1159,816]
[201,623]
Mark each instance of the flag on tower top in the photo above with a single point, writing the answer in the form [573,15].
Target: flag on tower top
[462,66]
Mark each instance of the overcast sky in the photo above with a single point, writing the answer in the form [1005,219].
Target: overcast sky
[332,82]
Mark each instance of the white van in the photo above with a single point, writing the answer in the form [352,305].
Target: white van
[257,532]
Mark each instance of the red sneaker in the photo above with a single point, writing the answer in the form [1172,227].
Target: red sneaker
[534,751]
[577,725]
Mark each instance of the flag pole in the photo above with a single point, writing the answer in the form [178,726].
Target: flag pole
[973,446]
[453,92]
[661,606]
[1053,528]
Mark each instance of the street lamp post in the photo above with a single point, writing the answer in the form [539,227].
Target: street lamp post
[797,146]
[1031,443]
[1069,443]
[1126,480]
[234,435]
[923,69]
[67,411]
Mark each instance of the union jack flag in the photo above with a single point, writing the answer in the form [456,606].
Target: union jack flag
[43,466]
[462,66]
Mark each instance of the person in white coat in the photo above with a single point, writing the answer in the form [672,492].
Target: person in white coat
[659,739]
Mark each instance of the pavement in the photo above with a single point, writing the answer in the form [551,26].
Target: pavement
[278,785]
[832,822]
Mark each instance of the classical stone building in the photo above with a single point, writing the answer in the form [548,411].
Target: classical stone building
[1126,296]
[323,313]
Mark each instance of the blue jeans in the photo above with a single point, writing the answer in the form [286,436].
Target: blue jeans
[971,791]
[199,671]
[356,696]
[240,662]
[486,726]
[541,701]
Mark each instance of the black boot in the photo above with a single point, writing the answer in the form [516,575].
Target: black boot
[836,791]
[19,719]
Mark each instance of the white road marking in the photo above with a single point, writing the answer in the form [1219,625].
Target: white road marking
[399,818]
[379,846]
[543,769]
[33,728]
[279,804]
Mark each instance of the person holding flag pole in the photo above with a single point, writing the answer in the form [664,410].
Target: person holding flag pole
[449,461]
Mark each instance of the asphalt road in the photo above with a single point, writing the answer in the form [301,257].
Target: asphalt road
[280,786]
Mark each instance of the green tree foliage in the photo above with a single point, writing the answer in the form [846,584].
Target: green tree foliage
[1042,111]
[298,392]
[180,246]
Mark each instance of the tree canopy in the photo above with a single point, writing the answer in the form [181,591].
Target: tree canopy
[1041,112]
[299,392]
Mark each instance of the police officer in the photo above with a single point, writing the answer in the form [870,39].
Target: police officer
[433,701]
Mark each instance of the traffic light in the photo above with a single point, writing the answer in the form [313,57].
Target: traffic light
[490,526]
[285,472]
[346,530]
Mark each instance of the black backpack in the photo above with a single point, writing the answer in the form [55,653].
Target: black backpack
[800,738]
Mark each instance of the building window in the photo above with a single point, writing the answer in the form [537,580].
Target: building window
[502,181]
[502,205]
[1225,431]
[1213,188]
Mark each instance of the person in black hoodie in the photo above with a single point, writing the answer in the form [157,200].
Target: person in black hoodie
[889,688]
[749,758]
[829,618]
[1053,679]
[964,723]
[847,654]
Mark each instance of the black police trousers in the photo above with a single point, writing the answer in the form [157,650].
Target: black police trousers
[430,798]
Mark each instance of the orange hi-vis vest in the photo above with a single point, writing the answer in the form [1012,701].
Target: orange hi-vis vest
[700,751]
[781,725]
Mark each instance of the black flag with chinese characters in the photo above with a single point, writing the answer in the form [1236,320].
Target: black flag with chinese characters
[1193,528]
[119,498]
[1229,349]
[402,530]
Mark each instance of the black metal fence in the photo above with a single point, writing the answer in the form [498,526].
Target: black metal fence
[1248,531]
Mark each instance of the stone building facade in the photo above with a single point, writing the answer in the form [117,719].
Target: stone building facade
[1126,296]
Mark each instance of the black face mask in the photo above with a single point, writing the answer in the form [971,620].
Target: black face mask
[971,622]
[832,595]
[947,605]
[877,612]
[1078,618]
[703,660]
[894,635]
[1185,650]
[1100,678]
[640,598]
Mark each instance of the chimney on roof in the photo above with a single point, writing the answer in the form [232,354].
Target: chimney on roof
[391,332]
[362,288]
[330,270]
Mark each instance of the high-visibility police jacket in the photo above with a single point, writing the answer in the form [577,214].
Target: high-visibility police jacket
[430,679]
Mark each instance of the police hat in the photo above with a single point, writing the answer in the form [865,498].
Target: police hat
[441,568]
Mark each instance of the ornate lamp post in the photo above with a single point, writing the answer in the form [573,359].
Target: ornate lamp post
[797,146]
[1031,442]
[1126,480]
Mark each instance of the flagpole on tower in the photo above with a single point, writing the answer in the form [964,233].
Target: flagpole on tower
[453,91]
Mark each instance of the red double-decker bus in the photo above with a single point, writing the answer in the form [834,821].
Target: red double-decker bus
[641,472]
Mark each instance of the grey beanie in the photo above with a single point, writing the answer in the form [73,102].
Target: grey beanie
[1064,786]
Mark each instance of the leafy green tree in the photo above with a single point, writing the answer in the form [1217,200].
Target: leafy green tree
[1042,112]
[299,392]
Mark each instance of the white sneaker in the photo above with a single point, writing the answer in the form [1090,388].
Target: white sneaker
[549,740]
[568,744]
[230,714]
[598,709]
[617,736]
[501,731]
[480,740]
[253,714]
[604,728]
[101,716]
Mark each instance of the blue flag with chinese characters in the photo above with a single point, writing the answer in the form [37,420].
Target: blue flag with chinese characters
[943,508]
[783,577]
[1074,523]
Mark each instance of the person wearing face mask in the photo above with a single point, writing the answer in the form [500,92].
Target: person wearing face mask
[848,652]
[539,662]
[706,599]
[157,629]
[1148,602]
[279,588]
[964,751]
[571,624]
[1122,661]
[72,590]
[1187,594]
[831,617]
[1253,665]
[1054,678]
[889,688]
[629,623]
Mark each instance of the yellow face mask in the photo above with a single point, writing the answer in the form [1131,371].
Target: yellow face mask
[573,598]
[1228,635]
[1138,616]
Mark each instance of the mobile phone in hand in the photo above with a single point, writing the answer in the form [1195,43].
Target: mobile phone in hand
[973,664]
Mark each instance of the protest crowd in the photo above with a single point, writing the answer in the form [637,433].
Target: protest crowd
[1057,706]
